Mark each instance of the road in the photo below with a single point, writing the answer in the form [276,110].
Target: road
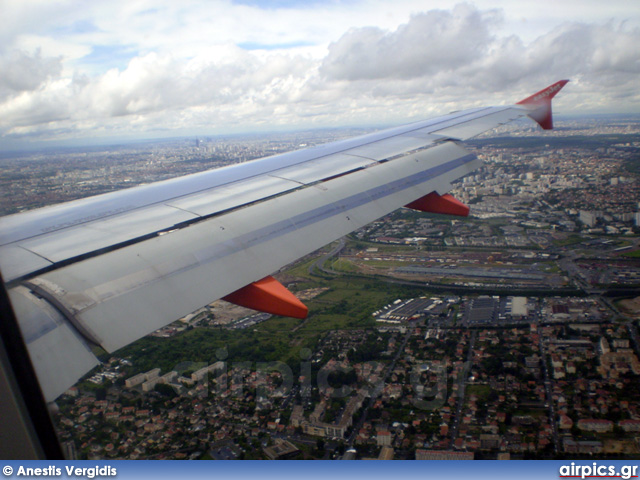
[379,387]
[462,382]
[635,339]
[548,388]
[319,264]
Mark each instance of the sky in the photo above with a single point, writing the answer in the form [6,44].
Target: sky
[84,71]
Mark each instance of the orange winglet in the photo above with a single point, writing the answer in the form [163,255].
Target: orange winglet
[269,296]
[435,203]
[542,100]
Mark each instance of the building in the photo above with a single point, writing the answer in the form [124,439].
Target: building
[519,307]
[281,449]
[588,218]
[571,446]
[150,384]
[614,364]
[384,438]
[565,422]
[630,425]
[297,416]
[595,425]
[142,378]
[386,453]
[198,375]
[620,343]
[316,427]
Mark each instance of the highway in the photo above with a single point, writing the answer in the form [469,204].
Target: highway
[548,388]
[319,264]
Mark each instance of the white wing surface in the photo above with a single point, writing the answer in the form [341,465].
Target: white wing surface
[110,269]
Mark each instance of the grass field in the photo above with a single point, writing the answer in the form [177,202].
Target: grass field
[342,265]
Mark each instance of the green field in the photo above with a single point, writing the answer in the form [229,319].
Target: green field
[342,265]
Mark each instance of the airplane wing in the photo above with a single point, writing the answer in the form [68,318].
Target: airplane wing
[110,269]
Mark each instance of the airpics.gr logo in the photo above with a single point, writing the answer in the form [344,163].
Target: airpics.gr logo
[596,470]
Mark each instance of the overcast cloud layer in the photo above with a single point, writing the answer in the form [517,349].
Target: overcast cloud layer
[75,69]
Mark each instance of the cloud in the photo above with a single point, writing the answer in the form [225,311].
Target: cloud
[432,63]
[20,71]
[452,54]
[431,42]
[222,86]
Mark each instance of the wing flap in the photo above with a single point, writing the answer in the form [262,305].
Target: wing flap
[392,146]
[80,239]
[17,262]
[233,195]
[478,124]
[59,355]
[142,287]
[323,168]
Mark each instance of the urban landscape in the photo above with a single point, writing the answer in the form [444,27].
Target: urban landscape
[509,334]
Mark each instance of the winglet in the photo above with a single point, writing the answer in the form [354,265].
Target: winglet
[540,104]
[270,296]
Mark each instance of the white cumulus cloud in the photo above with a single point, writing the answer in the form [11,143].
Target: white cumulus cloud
[144,67]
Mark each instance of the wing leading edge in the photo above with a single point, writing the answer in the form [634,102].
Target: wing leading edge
[110,269]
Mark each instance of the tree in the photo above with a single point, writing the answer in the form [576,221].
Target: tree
[165,390]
